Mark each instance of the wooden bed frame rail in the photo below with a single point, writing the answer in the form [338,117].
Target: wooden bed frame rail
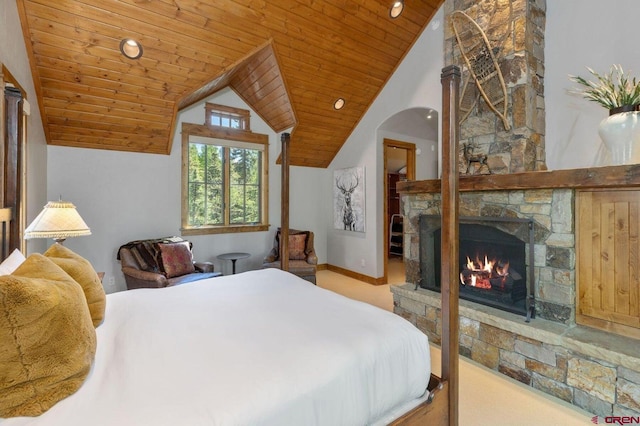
[433,412]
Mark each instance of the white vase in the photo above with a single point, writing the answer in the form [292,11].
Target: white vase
[621,135]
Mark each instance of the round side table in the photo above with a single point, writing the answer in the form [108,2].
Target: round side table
[233,257]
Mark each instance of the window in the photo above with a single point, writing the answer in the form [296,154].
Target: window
[224,116]
[224,179]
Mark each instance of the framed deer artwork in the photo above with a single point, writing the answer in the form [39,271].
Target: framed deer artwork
[349,199]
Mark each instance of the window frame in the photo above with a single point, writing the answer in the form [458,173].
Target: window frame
[224,111]
[230,135]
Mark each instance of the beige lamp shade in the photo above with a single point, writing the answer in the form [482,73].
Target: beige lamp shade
[58,220]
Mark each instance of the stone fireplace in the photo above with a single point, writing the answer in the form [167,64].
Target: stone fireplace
[551,214]
[494,265]
[593,369]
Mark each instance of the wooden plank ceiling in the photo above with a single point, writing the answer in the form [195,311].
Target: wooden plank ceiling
[288,59]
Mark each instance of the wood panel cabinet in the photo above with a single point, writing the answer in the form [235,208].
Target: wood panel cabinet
[608,259]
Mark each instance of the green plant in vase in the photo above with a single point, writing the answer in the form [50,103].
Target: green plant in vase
[620,94]
[612,91]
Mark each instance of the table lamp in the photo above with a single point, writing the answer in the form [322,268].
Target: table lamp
[58,220]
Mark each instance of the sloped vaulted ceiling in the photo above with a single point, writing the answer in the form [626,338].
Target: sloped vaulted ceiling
[289,59]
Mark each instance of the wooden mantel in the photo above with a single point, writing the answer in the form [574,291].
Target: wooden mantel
[596,177]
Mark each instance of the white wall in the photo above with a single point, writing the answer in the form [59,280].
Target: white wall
[416,83]
[580,34]
[13,55]
[128,196]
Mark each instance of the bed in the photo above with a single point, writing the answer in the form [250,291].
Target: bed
[257,348]
[267,348]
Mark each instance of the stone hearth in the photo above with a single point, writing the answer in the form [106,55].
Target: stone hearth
[592,369]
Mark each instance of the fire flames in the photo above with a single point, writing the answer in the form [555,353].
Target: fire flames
[484,274]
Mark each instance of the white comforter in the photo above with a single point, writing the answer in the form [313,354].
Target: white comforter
[257,348]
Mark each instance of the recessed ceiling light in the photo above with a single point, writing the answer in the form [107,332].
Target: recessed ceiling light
[131,48]
[396,9]
[338,104]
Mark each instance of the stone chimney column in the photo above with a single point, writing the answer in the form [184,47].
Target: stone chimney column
[515,31]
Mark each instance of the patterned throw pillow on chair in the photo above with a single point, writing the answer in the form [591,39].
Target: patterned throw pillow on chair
[297,245]
[177,259]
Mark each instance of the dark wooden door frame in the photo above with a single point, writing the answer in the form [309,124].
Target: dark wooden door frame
[411,175]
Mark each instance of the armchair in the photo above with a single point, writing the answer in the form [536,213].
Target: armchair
[161,262]
[302,256]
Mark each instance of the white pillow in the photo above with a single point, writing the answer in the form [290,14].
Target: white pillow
[12,262]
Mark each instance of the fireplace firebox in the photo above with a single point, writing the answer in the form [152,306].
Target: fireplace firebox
[496,261]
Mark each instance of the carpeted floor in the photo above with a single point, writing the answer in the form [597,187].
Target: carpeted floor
[486,398]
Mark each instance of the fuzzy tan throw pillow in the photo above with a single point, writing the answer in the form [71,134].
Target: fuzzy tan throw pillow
[48,338]
[82,271]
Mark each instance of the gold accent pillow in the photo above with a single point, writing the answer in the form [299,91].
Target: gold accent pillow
[48,339]
[82,271]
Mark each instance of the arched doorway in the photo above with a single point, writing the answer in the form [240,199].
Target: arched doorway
[410,152]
